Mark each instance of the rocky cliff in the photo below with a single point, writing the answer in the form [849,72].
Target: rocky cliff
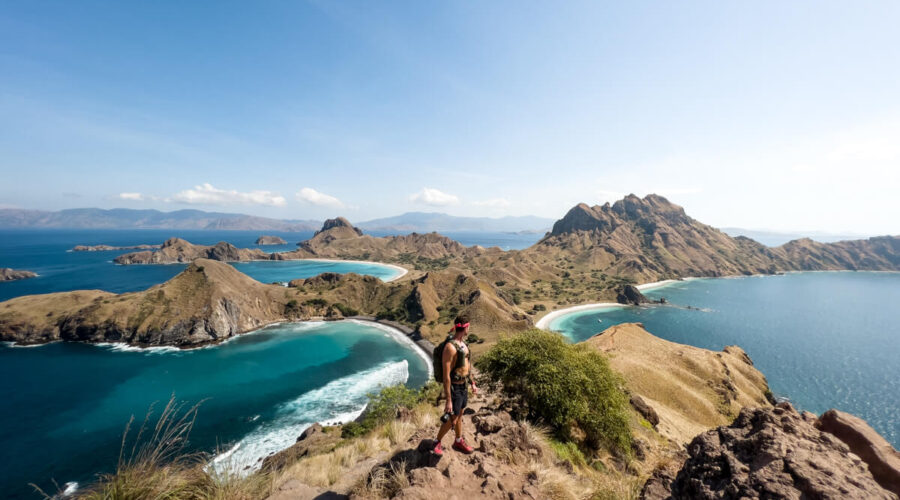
[7,274]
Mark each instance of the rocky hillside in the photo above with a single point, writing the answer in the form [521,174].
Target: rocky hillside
[779,453]
[651,238]
[177,250]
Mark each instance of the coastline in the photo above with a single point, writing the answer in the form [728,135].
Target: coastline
[402,270]
[544,322]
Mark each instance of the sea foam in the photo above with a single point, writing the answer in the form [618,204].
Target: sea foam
[338,401]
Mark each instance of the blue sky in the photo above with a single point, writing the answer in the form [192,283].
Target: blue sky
[776,115]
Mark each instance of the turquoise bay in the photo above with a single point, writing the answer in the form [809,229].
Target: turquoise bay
[823,340]
[65,405]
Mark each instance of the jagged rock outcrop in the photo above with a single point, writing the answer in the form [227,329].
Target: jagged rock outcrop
[629,294]
[7,274]
[769,453]
[313,440]
[105,248]
[270,240]
[883,460]
[177,250]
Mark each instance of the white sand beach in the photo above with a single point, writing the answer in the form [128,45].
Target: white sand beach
[400,269]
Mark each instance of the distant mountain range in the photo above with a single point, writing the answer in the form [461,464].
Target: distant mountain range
[123,218]
[432,221]
[777,238]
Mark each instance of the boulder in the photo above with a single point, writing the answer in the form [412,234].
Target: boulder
[645,410]
[770,453]
[883,460]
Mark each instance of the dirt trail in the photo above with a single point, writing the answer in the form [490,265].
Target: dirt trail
[498,468]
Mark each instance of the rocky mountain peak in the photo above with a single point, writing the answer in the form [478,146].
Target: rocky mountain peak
[337,223]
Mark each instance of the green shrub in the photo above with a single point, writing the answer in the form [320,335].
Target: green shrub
[568,452]
[346,310]
[292,308]
[563,386]
[316,302]
[383,406]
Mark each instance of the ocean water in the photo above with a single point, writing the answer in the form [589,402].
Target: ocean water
[823,340]
[65,405]
[46,253]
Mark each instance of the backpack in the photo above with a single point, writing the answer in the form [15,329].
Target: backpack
[437,359]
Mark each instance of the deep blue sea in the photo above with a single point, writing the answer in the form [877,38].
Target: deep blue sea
[65,406]
[823,340]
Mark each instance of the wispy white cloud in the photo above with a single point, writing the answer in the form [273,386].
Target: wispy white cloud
[206,194]
[131,196]
[493,203]
[434,197]
[319,199]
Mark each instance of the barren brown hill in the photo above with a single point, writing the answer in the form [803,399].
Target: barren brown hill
[691,389]
[177,250]
[208,301]
[340,239]
[211,301]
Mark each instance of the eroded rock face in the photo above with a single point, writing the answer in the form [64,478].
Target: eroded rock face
[770,453]
[882,459]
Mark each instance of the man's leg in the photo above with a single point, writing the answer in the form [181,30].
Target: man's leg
[457,425]
[445,428]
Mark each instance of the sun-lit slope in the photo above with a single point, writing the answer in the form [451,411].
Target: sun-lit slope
[206,302]
[691,389]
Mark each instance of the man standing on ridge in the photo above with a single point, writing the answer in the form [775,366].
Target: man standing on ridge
[455,361]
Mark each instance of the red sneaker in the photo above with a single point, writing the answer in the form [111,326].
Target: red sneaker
[461,446]
[438,449]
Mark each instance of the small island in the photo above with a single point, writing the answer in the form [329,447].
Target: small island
[270,240]
[106,248]
[7,274]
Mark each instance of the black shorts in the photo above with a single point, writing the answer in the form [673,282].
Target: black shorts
[459,396]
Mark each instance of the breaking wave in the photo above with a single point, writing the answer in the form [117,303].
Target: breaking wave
[338,401]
